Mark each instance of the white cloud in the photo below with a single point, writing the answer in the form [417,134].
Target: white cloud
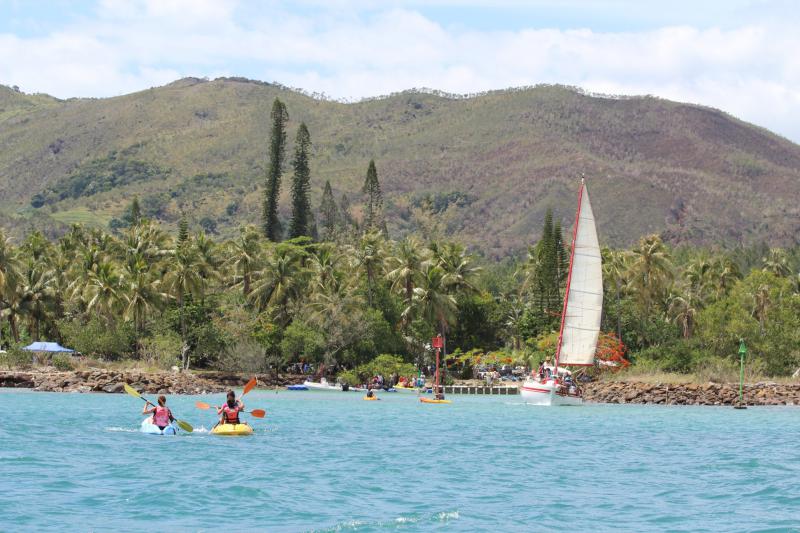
[748,69]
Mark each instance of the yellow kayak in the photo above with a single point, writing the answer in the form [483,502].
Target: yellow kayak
[431,400]
[370,398]
[232,429]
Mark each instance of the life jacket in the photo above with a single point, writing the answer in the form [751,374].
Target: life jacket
[231,414]
[161,416]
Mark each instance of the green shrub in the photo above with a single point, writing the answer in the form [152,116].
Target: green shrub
[16,358]
[384,364]
[162,350]
[726,369]
[677,356]
[350,377]
[244,356]
[63,362]
[98,338]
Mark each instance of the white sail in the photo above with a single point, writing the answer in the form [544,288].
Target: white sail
[584,301]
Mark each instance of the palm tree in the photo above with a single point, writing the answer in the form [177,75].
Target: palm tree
[777,262]
[183,279]
[433,299]
[36,295]
[513,321]
[405,269]
[726,273]
[762,301]
[615,268]
[650,270]
[141,292]
[278,283]
[102,291]
[208,260]
[698,274]
[683,313]
[368,256]
[245,257]
[324,265]
[9,274]
[459,272]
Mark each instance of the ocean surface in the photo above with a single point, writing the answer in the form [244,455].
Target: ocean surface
[326,461]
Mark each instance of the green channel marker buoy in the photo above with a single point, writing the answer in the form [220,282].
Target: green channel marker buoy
[742,353]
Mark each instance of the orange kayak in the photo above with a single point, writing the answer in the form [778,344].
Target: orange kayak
[431,400]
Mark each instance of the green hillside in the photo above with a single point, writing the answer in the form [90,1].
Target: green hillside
[490,164]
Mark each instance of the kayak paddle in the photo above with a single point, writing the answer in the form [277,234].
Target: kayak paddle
[258,413]
[250,386]
[133,392]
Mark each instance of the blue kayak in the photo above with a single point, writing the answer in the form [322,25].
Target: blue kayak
[150,428]
[297,387]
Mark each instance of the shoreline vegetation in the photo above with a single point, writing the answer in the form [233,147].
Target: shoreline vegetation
[329,288]
[764,393]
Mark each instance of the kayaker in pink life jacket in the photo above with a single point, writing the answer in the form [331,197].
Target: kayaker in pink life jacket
[230,411]
[162,416]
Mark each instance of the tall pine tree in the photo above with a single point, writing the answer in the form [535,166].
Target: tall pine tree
[302,218]
[562,257]
[135,212]
[373,210]
[347,216]
[277,152]
[183,230]
[329,213]
[547,269]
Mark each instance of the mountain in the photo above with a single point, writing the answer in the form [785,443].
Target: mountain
[484,167]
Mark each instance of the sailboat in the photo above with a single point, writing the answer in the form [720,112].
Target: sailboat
[580,316]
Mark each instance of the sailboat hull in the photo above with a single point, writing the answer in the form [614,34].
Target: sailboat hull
[547,392]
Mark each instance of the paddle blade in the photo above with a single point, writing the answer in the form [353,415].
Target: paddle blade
[250,386]
[187,427]
[130,390]
[202,405]
[258,413]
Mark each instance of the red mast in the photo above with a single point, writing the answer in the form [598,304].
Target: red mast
[569,276]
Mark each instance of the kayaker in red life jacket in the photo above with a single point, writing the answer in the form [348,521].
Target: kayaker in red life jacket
[162,416]
[230,411]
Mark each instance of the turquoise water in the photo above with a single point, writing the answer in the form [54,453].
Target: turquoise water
[332,462]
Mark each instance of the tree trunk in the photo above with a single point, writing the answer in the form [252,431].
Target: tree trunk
[12,322]
[183,321]
[369,286]
[185,356]
[619,319]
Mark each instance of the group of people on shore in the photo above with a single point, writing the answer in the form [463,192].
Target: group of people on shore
[379,382]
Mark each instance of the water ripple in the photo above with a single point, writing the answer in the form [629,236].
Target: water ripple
[331,462]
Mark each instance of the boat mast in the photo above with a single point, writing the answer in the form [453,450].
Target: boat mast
[569,277]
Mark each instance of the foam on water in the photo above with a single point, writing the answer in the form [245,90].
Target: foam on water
[331,462]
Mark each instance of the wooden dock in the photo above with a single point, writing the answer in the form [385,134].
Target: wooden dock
[472,389]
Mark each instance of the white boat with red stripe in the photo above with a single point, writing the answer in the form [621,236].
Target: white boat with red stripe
[580,316]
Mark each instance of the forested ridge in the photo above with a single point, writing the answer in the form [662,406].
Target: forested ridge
[488,165]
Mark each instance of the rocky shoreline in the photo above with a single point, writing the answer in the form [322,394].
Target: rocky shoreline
[762,393]
[619,392]
[111,381]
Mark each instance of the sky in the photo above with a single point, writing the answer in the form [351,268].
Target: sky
[741,56]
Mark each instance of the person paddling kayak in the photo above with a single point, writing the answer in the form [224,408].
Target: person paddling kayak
[162,416]
[230,411]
